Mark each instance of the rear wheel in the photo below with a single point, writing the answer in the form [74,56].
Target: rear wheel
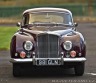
[79,69]
[16,70]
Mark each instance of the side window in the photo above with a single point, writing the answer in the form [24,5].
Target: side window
[25,19]
[68,19]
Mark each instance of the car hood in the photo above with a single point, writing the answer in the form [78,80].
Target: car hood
[56,32]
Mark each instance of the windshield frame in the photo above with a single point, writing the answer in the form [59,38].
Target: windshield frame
[27,16]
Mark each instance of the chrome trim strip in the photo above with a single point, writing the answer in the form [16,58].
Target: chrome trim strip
[12,60]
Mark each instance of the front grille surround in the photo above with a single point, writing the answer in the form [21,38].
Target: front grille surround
[47,46]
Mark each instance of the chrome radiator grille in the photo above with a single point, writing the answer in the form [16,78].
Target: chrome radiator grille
[48,46]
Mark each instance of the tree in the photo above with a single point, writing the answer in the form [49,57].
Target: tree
[90,7]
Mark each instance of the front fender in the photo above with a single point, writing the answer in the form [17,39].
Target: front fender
[78,44]
[17,42]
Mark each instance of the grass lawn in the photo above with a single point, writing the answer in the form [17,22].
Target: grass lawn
[6,34]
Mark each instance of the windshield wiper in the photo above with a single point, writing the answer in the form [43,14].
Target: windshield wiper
[48,24]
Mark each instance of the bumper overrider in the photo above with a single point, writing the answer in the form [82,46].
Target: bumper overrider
[34,60]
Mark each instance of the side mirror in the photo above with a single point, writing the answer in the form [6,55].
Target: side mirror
[75,24]
[18,24]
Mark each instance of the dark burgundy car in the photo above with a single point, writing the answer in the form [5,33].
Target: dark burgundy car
[48,37]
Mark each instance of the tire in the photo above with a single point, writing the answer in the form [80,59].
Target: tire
[16,70]
[79,69]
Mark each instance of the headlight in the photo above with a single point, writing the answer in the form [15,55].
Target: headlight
[28,45]
[67,45]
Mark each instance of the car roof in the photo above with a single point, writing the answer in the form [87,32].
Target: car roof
[47,9]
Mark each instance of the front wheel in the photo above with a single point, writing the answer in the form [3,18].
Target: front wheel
[16,70]
[79,69]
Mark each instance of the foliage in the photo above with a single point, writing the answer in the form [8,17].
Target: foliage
[6,34]
[35,2]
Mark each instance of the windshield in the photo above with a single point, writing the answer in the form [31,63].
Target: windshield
[50,17]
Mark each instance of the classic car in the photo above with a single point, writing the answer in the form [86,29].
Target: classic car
[48,37]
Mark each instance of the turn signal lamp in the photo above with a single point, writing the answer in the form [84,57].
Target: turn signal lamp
[73,53]
[22,54]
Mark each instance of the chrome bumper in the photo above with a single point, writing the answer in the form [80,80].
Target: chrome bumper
[12,60]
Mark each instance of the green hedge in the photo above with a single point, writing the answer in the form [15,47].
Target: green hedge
[77,10]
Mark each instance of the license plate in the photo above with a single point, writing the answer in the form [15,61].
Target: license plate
[48,62]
